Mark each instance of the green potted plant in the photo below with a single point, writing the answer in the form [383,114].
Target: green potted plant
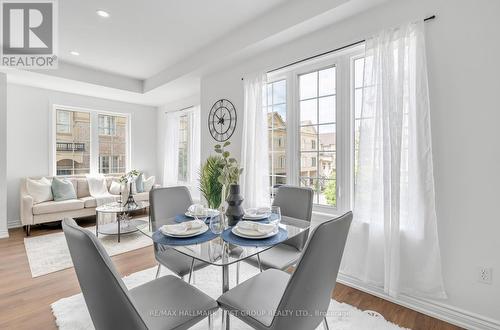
[209,184]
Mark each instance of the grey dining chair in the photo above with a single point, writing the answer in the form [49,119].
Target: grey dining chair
[166,203]
[294,202]
[300,301]
[164,303]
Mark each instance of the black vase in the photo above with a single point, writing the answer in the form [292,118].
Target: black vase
[234,212]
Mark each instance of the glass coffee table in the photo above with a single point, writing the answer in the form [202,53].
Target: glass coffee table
[122,225]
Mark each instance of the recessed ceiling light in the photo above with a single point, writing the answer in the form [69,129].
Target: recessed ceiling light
[74,52]
[102,13]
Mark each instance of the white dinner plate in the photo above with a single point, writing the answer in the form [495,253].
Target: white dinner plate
[202,230]
[240,234]
[211,212]
[256,217]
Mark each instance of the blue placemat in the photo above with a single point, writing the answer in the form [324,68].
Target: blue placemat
[159,238]
[183,218]
[231,238]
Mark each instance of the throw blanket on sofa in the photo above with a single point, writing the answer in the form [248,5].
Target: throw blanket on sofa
[99,190]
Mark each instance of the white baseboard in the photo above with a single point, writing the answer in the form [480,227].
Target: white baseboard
[438,310]
[14,224]
[4,233]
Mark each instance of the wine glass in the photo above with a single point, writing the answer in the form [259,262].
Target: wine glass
[216,224]
[275,217]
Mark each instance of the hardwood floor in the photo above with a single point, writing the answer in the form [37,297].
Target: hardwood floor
[25,301]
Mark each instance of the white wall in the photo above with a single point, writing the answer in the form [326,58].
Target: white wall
[463,51]
[28,137]
[3,155]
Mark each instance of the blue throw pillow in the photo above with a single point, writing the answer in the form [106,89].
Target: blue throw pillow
[139,183]
[62,190]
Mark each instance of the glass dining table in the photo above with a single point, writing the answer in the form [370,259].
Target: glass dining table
[218,252]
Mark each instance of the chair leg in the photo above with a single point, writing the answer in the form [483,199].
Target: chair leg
[211,321]
[28,230]
[237,273]
[191,271]
[325,324]
[260,265]
[158,271]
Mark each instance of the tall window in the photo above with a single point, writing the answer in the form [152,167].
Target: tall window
[112,143]
[309,107]
[277,130]
[183,148]
[74,151]
[317,102]
[72,147]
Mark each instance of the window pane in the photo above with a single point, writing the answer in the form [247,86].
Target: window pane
[308,138]
[279,92]
[308,164]
[112,144]
[308,85]
[280,118]
[327,82]
[326,164]
[309,112]
[358,72]
[327,137]
[327,111]
[72,143]
[277,133]
[327,192]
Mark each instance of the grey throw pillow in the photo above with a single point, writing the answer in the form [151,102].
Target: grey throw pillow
[139,183]
[62,190]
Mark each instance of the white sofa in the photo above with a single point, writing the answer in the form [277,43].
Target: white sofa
[84,205]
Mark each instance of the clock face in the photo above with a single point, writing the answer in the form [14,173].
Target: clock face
[222,120]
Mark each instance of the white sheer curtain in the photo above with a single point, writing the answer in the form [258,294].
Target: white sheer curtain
[194,151]
[393,242]
[171,160]
[254,155]
[172,138]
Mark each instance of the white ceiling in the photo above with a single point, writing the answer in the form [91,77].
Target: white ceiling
[141,38]
[156,51]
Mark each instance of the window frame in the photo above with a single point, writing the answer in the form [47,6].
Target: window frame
[344,155]
[94,137]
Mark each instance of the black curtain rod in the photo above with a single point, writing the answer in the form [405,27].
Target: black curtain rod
[330,51]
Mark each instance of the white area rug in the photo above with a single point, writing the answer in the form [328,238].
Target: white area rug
[49,253]
[71,313]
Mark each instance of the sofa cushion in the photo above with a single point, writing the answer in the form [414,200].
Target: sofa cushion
[62,189]
[89,202]
[40,190]
[82,188]
[55,207]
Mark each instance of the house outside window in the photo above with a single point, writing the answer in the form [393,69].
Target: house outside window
[87,141]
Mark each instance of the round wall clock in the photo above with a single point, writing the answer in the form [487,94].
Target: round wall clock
[222,120]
